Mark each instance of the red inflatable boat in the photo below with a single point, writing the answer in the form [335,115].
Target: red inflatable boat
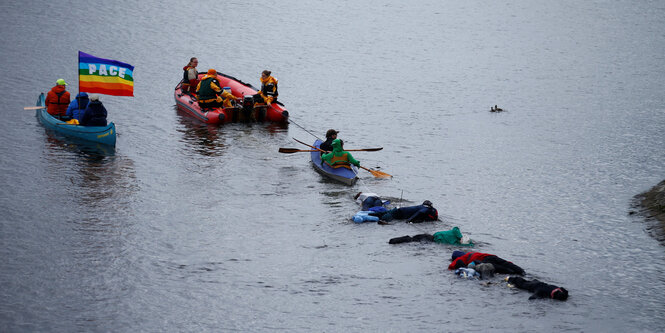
[244,111]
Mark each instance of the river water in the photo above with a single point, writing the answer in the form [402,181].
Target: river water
[185,227]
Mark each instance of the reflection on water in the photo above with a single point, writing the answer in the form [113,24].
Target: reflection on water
[85,149]
[209,140]
[106,182]
[274,128]
[205,139]
[92,201]
[101,178]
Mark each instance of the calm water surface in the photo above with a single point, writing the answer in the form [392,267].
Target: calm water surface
[187,227]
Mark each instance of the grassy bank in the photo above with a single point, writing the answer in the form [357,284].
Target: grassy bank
[652,205]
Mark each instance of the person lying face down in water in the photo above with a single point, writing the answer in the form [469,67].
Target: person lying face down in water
[369,200]
[539,289]
[453,236]
[501,266]
[412,214]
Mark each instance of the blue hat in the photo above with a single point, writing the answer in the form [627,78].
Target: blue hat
[457,254]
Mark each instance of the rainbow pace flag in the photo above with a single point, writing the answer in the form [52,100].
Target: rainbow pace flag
[105,76]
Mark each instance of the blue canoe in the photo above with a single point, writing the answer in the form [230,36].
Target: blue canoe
[342,175]
[100,134]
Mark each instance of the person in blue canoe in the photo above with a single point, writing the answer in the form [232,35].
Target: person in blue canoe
[77,106]
[95,113]
[330,136]
[57,99]
[339,158]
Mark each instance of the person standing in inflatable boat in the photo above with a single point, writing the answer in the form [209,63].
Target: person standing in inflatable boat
[190,76]
[372,207]
[339,158]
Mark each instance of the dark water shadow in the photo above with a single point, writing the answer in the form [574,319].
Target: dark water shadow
[209,140]
[83,148]
[205,139]
[100,176]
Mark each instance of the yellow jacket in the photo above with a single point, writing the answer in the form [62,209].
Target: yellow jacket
[268,89]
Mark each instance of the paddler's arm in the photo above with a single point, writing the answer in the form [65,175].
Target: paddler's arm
[351,159]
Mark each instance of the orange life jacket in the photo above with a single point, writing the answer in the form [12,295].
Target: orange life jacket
[57,101]
[340,162]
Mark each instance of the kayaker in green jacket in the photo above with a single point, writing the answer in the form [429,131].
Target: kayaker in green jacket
[339,158]
[453,236]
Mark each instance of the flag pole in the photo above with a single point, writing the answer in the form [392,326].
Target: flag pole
[78,76]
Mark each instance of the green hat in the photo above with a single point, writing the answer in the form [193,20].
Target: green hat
[61,82]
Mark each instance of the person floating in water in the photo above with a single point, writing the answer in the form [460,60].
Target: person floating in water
[453,236]
[413,214]
[368,200]
[462,259]
[539,289]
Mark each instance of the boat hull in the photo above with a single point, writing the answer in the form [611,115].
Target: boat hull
[342,175]
[186,102]
[99,134]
